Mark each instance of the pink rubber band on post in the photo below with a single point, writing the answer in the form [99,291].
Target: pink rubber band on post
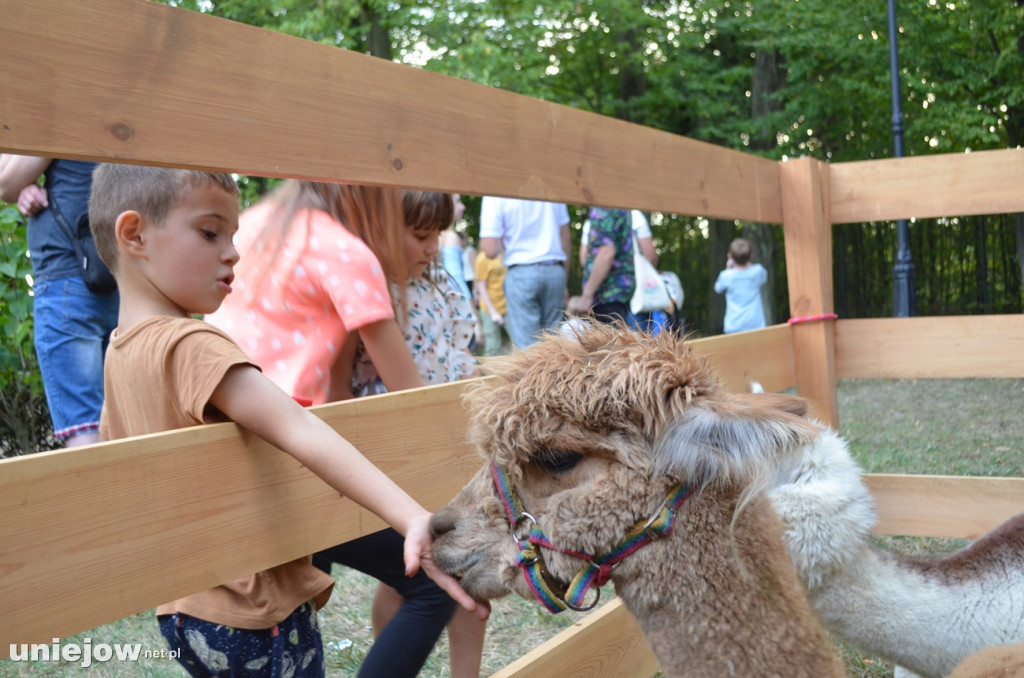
[813,318]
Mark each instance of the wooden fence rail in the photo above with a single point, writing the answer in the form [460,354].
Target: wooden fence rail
[91,535]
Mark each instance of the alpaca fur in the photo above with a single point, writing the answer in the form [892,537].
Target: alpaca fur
[593,431]
[926,616]
[1002,661]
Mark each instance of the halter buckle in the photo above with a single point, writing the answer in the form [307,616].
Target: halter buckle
[585,607]
[514,527]
[660,523]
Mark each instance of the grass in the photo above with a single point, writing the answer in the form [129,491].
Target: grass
[935,426]
[945,427]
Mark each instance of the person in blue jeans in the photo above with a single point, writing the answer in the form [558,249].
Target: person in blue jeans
[72,323]
[534,236]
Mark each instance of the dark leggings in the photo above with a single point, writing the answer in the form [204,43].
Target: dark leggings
[405,643]
[611,312]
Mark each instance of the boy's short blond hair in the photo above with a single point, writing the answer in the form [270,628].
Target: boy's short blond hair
[151,191]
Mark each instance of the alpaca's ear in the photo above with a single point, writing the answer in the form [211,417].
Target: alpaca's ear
[719,442]
[778,401]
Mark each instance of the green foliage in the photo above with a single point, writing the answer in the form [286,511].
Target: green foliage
[963,266]
[24,417]
[251,189]
[342,23]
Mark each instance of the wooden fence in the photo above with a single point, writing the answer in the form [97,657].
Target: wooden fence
[91,535]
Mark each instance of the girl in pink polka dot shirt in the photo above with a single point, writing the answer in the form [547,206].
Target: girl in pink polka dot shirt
[305,284]
[306,288]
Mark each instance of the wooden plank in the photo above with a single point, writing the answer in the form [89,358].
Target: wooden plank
[606,644]
[186,89]
[94,534]
[930,347]
[944,506]
[764,356]
[954,184]
[808,233]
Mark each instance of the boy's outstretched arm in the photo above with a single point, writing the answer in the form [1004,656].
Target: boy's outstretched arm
[257,404]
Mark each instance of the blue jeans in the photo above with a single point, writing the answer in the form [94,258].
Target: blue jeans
[534,300]
[653,322]
[72,329]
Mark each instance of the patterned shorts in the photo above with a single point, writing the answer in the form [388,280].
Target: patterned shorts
[291,649]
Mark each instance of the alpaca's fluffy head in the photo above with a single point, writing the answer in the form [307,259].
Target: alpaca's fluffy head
[593,430]
[826,509]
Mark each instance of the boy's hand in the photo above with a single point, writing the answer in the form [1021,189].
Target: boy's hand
[418,553]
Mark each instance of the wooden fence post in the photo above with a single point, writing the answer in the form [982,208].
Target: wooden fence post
[808,232]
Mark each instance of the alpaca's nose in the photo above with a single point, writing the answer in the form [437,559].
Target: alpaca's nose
[442,522]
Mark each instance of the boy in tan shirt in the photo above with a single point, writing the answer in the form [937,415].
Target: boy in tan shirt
[166,235]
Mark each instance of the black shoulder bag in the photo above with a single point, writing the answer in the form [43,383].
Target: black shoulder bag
[95,273]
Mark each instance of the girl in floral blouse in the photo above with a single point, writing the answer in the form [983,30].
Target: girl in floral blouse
[439,322]
[438,325]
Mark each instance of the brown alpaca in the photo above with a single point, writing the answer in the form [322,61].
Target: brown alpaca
[593,433]
[1002,661]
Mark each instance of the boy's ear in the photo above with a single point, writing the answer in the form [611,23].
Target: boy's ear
[128,231]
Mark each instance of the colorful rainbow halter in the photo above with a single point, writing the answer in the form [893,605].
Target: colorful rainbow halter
[598,570]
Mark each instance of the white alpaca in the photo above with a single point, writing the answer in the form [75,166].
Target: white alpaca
[924,616]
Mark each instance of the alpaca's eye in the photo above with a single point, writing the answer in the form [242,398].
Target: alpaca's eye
[557,461]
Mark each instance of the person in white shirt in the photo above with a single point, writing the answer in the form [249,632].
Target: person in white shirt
[535,239]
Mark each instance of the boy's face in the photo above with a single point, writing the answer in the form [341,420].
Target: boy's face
[420,250]
[192,255]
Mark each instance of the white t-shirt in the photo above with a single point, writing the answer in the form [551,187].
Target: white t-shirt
[640,225]
[530,230]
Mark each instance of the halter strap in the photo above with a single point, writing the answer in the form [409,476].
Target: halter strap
[535,575]
[508,496]
[528,558]
[598,570]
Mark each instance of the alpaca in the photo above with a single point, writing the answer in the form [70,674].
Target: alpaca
[614,456]
[926,616]
[1002,661]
